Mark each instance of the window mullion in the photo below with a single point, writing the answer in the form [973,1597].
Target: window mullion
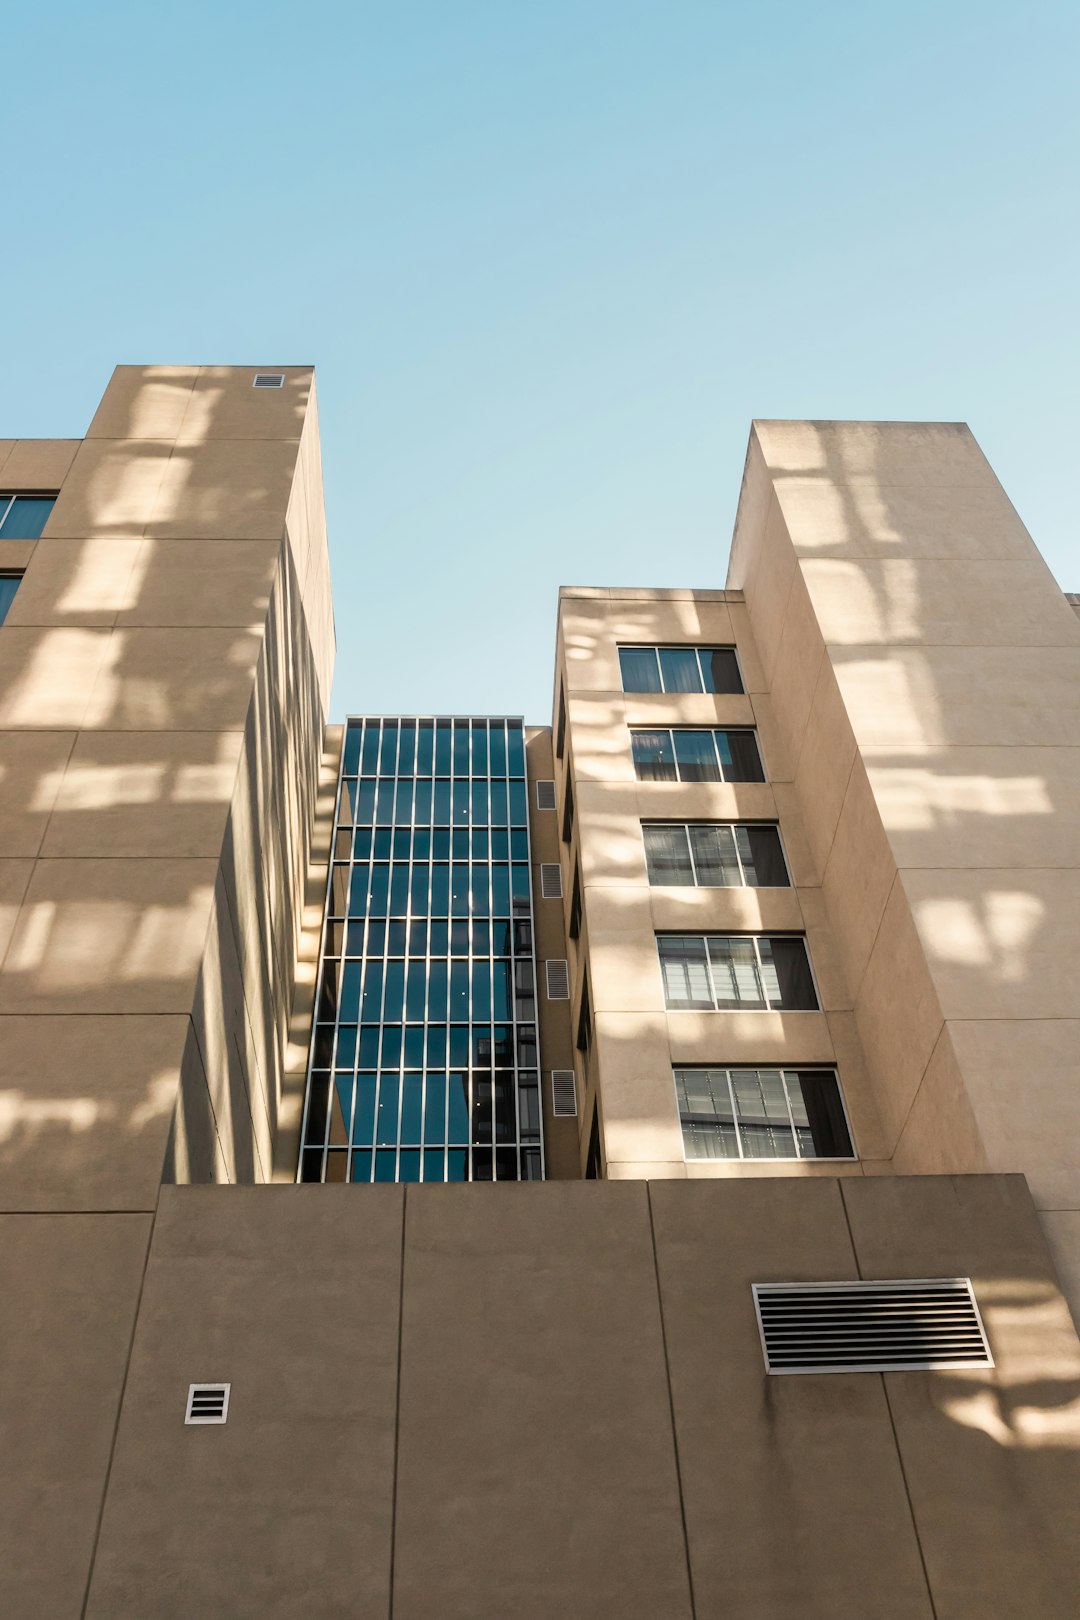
[719,756]
[738,854]
[791,1116]
[761,976]
[708,970]
[690,848]
[734,1114]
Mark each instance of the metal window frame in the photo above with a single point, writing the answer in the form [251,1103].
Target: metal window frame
[261,379]
[876,1286]
[8,499]
[206,1385]
[779,933]
[731,825]
[657,647]
[637,728]
[784,1070]
[519,1146]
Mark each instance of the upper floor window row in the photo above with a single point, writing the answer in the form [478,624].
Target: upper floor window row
[680,669]
[22,517]
[724,855]
[683,755]
[737,972]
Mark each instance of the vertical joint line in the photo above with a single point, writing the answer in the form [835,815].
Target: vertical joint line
[397,1406]
[671,1407]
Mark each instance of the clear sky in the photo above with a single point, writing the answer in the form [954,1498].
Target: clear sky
[550,257]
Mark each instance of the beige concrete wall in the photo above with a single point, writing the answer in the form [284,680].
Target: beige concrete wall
[629,1078]
[562,1154]
[550,1399]
[925,678]
[164,674]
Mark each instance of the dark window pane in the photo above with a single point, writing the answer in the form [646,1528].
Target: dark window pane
[412,1089]
[667,857]
[365,802]
[341,1102]
[399,891]
[481,991]
[683,967]
[360,1168]
[407,748]
[519,804]
[794,982]
[515,751]
[459,1045]
[654,757]
[720,668]
[442,748]
[414,1046]
[317,1111]
[440,890]
[394,997]
[819,1115]
[387,1123]
[423,801]
[482,1167]
[385,1166]
[369,1045]
[363,1131]
[350,762]
[461,748]
[370,755]
[26,516]
[479,804]
[409,1165]
[479,748]
[714,857]
[640,671]
[418,890]
[498,748]
[390,1056]
[498,813]
[440,813]
[434,1164]
[435,1109]
[761,1105]
[740,756]
[457,1113]
[384,801]
[388,750]
[762,857]
[311,1162]
[696,754]
[346,1046]
[506,1164]
[481,1108]
[425,748]
[679,669]
[461,804]
[403,803]
[436,1045]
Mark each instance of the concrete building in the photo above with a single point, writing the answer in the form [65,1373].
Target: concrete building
[758,965]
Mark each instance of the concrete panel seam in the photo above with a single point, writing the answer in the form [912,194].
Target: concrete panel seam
[671,1404]
[397,1409]
[116,1419]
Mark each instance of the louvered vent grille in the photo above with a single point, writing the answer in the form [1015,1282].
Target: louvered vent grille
[563,1093]
[550,881]
[545,794]
[558,980]
[870,1327]
[207,1403]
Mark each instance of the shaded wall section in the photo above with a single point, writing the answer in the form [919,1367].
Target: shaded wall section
[544,1399]
[925,678]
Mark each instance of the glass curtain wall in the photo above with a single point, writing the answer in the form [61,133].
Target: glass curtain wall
[424,1062]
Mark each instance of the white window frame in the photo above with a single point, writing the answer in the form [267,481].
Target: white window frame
[783,1070]
[731,826]
[657,647]
[755,940]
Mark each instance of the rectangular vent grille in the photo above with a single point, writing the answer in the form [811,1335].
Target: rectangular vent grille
[545,795]
[558,980]
[550,881]
[268,379]
[207,1403]
[563,1093]
[870,1326]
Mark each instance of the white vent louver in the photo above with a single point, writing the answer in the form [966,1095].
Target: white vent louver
[207,1403]
[870,1326]
[558,980]
[563,1093]
[545,795]
[550,881]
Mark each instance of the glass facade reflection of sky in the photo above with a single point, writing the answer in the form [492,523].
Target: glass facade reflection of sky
[424,1061]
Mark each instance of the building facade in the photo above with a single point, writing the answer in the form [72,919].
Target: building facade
[757,964]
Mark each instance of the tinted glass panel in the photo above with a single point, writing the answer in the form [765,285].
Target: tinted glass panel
[742,761]
[679,669]
[720,668]
[762,857]
[696,754]
[640,671]
[667,855]
[25,517]
[714,857]
[791,967]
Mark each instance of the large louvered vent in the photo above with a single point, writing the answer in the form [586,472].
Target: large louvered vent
[563,1093]
[550,881]
[870,1326]
[207,1403]
[545,794]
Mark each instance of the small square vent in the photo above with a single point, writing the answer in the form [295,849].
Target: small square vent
[870,1326]
[563,1093]
[545,794]
[268,379]
[207,1403]
[550,880]
[558,980]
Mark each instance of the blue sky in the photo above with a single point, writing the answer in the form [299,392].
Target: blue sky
[549,260]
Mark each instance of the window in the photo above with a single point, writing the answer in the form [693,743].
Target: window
[685,755]
[22,517]
[680,669]
[584,1028]
[560,728]
[724,855]
[568,810]
[736,972]
[9,584]
[762,1114]
[575,906]
[268,379]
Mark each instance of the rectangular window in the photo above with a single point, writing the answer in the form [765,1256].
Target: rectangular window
[22,517]
[680,669]
[568,810]
[685,754]
[762,1114]
[584,1028]
[736,972]
[721,855]
[9,584]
